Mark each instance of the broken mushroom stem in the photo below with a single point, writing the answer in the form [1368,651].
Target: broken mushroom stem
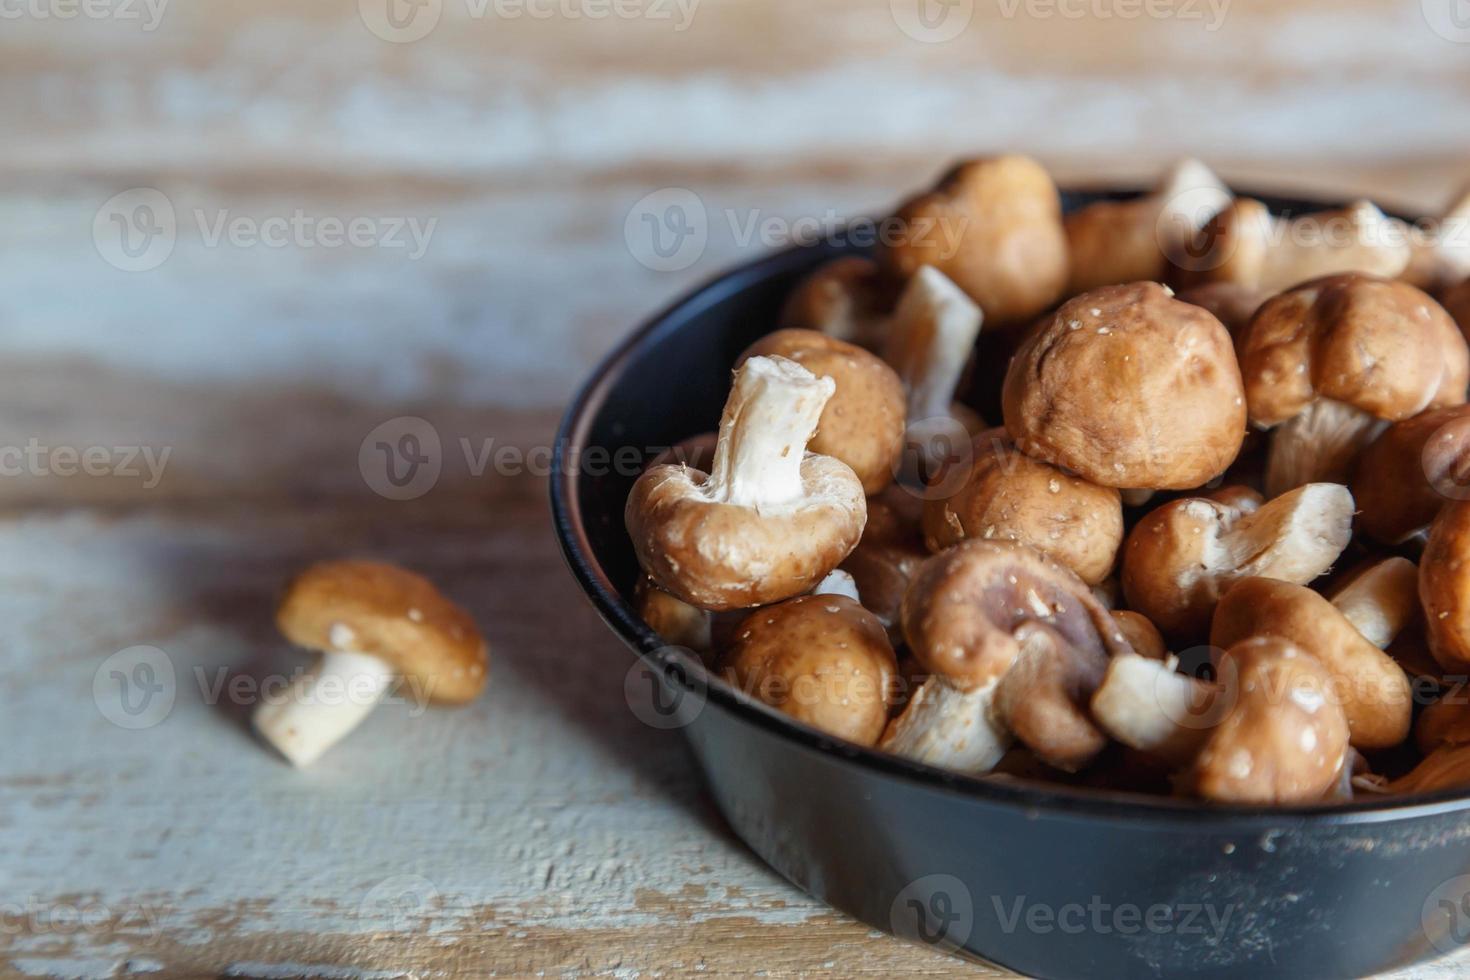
[951,728]
[1148,705]
[771,415]
[929,340]
[1381,601]
[372,624]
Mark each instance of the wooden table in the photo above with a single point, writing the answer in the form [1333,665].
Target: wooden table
[543,830]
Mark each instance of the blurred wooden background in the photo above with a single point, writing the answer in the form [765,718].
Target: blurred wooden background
[544,829]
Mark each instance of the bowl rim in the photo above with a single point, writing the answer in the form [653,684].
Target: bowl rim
[686,672]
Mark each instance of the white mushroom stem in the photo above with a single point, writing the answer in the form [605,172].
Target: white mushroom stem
[323,705]
[838,582]
[1452,238]
[1318,446]
[1382,601]
[1295,537]
[930,338]
[770,416]
[1187,198]
[949,728]
[1147,705]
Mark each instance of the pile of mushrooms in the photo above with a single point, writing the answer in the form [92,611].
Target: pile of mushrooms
[1213,543]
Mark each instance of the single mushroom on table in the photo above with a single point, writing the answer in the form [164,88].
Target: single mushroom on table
[770,520]
[822,659]
[373,624]
[1011,497]
[1406,474]
[1129,388]
[1331,362]
[1246,244]
[1131,240]
[1346,635]
[1283,738]
[993,226]
[863,422]
[845,298]
[1014,643]
[1182,557]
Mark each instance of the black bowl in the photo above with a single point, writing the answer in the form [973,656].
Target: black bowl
[1047,880]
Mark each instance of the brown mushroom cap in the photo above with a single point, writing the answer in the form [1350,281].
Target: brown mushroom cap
[1143,636]
[1284,739]
[994,226]
[965,606]
[390,613]
[863,423]
[1012,497]
[1410,470]
[1444,587]
[673,619]
[823,660]
[1129,388]
[845,298]
[1181,557]
[1378,345]
[722,540]
[891,550]
[1371,689]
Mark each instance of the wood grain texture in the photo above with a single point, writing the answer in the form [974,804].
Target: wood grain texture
[543,830]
